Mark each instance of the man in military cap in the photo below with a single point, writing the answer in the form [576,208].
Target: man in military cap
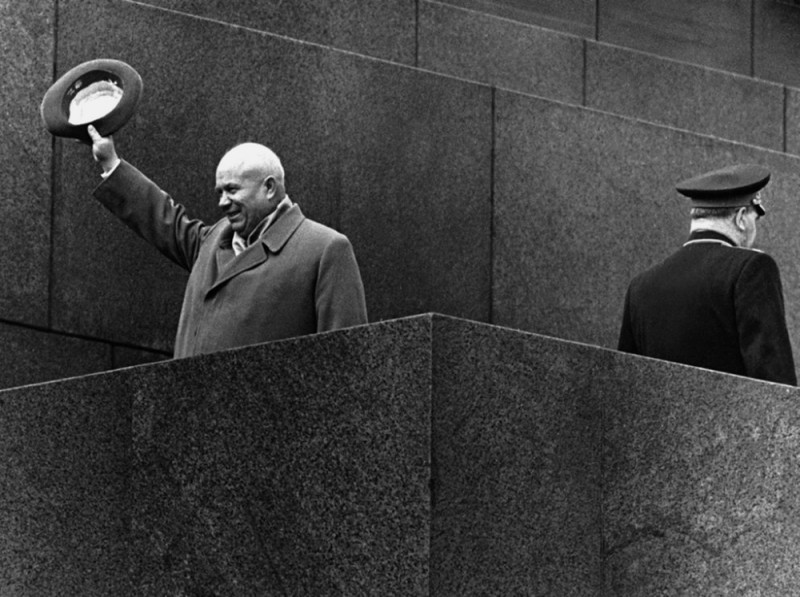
[716,302]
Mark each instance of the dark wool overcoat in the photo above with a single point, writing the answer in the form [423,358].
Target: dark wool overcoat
[714,305]
[299,278]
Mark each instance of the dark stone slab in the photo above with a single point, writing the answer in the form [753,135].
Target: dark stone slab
[700,475]
[682,95]
[415,195]
[124,356]
[34,356]
[64,488]
[517,464]
[500,52]
[714,33]
[380,28]
[26,61]
[353,134]
[420,456]
[793,120]
[776,41]
[585,200]
[297,467]
[571,16]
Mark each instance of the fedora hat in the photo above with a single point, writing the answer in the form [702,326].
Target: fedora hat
[104,93]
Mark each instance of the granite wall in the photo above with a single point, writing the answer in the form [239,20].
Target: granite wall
[758,38]
[421,456]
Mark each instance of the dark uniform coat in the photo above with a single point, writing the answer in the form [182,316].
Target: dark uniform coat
[714,305]
[299,277]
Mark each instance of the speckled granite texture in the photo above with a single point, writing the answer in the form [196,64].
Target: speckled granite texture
[424,456]
[681,30]
[776,41]
[700,476]
[699,99]
[517,465]
[380,28]
[294,468]
[26,64]
[65,488]
[33,356]
[499,52]
[572,16]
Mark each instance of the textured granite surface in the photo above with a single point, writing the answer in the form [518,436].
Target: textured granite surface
[390,156]
[422,456]
[126,356]
[682,95]
[64,488]
[379,28]
[793,120]
[299,467]
[26,63]
[33,356]
[500,52]
[585,200]
[682,30]
[700,477]
[776,41]
[517,464]
[572,16]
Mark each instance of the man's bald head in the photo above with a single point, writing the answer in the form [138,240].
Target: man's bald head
[253,159]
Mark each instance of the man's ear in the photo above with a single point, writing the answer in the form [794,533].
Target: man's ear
[271,185]
[739,219]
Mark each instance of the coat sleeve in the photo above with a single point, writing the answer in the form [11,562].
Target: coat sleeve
[761,321]
[339,296]
[152,214]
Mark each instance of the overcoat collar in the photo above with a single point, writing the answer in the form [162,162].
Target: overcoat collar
[272,241]
[709,236]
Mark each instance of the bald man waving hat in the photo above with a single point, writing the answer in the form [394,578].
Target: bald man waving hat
[262,272]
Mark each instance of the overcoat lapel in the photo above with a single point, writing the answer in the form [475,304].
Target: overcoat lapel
[271,241]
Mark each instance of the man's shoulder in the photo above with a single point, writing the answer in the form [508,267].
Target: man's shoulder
[319,230]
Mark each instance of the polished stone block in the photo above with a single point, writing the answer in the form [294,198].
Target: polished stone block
[776,41]
[64,488]
[714,33]
[700,473]
[26,63]
[298,467]
[34,356]
[379,28]
[682,95]
[420,456]
[517,464]
[500,52]
[125,356]
[571,16]
[585,200]
[793,120]
[391,156]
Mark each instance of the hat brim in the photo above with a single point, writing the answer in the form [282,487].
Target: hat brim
[114,76]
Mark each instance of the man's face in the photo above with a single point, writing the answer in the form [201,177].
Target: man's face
[245,197]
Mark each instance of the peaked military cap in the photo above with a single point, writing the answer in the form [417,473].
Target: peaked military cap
[733,186]
[104,93]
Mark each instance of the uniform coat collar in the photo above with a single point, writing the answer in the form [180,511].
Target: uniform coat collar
[709,235]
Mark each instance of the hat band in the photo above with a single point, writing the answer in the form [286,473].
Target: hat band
[734,201]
